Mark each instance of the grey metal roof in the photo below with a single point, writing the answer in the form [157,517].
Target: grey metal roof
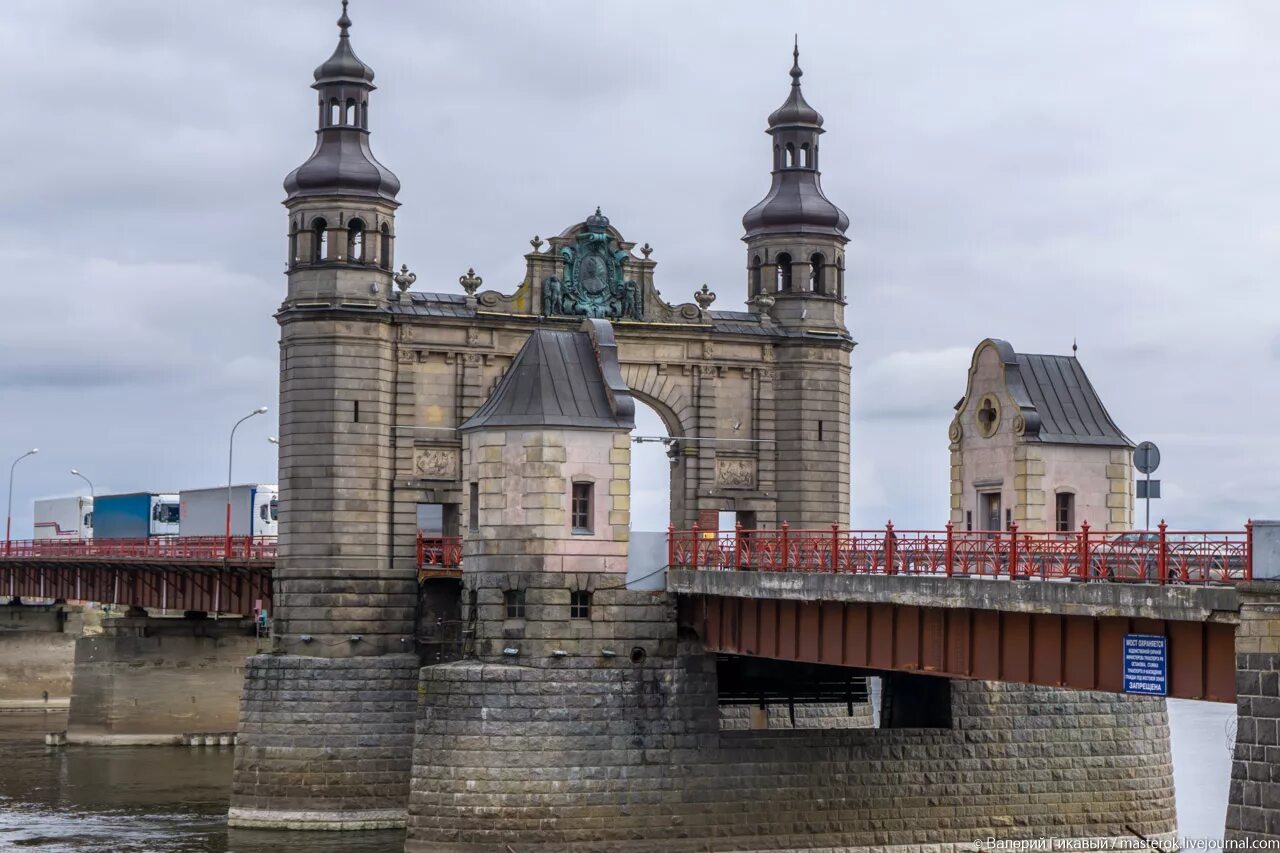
[1071,412]
[557,380]
[1058,403]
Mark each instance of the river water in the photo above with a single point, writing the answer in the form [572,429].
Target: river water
[174,800]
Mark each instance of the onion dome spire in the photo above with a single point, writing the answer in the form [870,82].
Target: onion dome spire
[342,163]
[344,64]
[795,110]
[795,203]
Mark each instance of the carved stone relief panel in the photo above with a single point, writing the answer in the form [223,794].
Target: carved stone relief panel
[435,463]
[735,472]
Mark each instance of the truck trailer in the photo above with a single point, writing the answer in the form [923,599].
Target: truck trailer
[254,510]
[64,518]
[139,515]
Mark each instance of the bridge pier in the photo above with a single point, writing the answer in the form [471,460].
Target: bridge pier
[149,680]
[620,739]
[1253,807]
[37,652]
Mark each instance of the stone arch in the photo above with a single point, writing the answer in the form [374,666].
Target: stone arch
[661,392]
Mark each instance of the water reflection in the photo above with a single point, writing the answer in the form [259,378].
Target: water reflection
[132,800]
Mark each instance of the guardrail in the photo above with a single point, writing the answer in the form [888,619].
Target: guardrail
[177,548]
[1136,556]
[443,552]
[439,552]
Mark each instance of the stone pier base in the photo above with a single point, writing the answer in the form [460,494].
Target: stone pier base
[325,743]
[1253,807]
[148,680]
[623,756]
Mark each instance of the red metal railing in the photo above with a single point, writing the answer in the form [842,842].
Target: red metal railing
[443,552]
[177,548]
[1136,556]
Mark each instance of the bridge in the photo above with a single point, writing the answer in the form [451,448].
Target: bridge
[1049,609]
[212,574]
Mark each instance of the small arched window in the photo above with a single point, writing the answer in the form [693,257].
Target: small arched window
[784,272]
[319,240]
[335,112]
[355,241]
[755,276]
[384,253]
[349,114]
[840,276]
[791,155]
[293,246]
[804,155]
[817,275]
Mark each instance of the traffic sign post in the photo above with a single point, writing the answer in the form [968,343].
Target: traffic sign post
[1146,458]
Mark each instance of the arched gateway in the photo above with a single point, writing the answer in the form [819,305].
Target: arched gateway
[581,718]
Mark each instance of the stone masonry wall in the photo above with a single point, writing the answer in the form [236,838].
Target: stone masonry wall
[324,743]
[590,752]
[1253,807]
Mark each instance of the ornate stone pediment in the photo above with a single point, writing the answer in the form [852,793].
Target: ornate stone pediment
[591,282]
[588,271]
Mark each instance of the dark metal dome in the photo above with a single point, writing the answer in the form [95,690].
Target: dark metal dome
[795,203]
[344,65]
[342,164]
[795,109]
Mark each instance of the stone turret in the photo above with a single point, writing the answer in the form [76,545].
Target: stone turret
[795,236]
[546,461]
[343,627]
[795,256]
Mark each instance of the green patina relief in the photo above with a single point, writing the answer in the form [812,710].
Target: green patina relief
[591,284]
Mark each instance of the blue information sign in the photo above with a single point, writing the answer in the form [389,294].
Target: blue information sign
[1146,664]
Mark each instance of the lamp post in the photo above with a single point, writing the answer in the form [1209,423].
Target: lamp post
[8,519]
[231,446]
[92,494]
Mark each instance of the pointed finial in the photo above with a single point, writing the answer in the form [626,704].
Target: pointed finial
[1074,348]
[344,23]
[795,63]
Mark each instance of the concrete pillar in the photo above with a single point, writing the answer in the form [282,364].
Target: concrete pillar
[1253,807]
[37,650]
[148,680]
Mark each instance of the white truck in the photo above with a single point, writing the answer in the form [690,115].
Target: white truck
[64,518]
[254,510]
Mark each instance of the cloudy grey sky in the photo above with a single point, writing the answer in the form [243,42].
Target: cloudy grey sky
[1038,172]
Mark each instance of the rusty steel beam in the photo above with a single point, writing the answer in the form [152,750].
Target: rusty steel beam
[1050,650]
[212,586]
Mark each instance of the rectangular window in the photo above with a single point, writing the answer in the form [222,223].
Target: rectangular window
[473,508]
[581,509]
[1066,512]
[579,605]
[514,599]
[356,409]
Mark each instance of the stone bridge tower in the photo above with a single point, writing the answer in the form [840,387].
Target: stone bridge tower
[795,245]
[344,620]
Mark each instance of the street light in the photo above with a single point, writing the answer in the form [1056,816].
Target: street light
[231,446]
[87,480]
[8,519]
